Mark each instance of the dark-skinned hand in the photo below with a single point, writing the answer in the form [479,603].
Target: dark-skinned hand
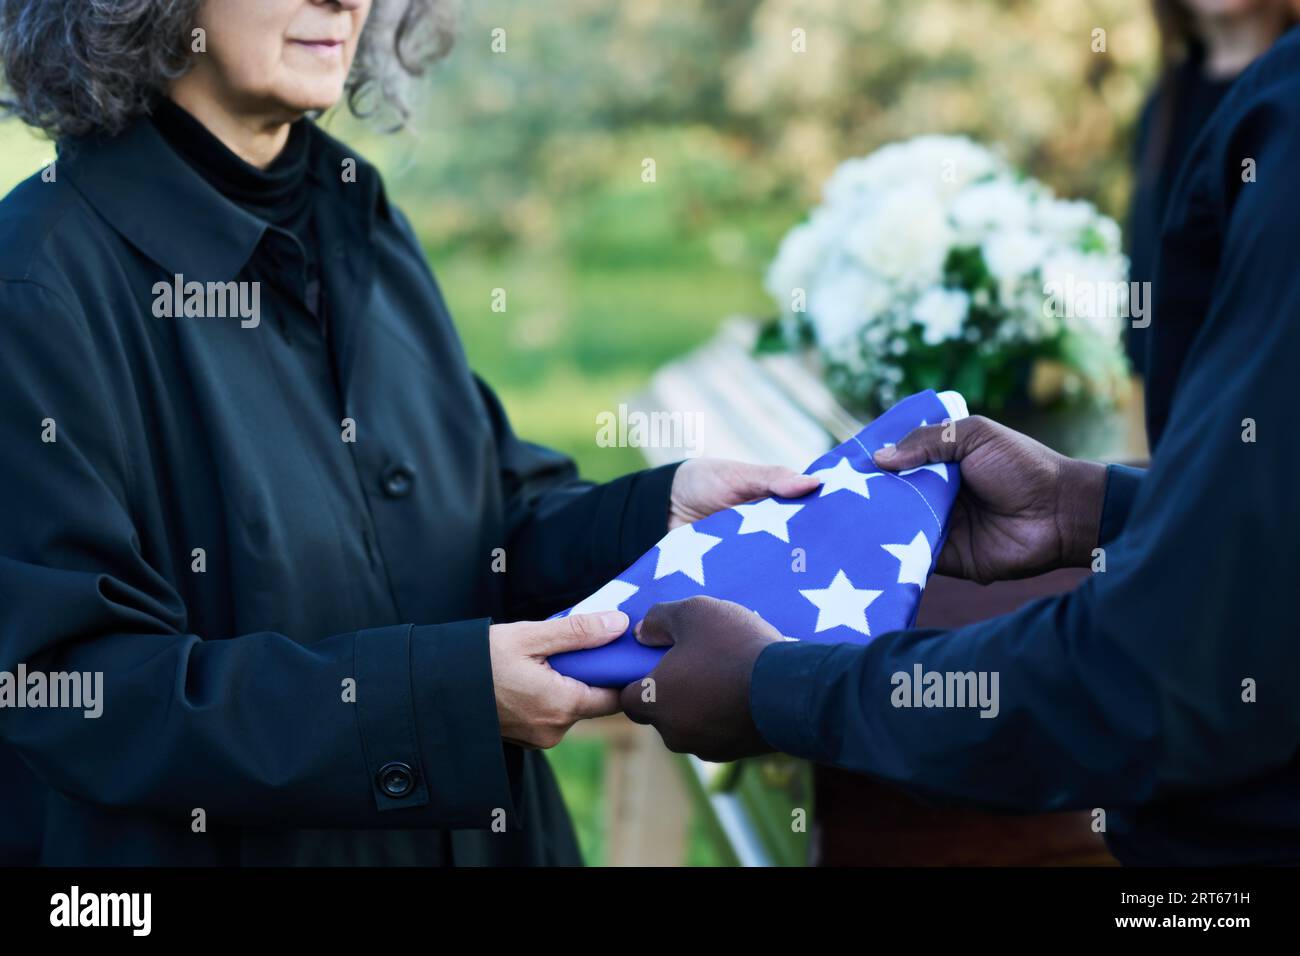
[698,696]
[1023,509]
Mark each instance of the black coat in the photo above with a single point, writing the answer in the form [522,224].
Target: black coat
[323,561]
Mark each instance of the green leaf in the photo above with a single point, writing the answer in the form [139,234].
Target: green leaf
[970,380]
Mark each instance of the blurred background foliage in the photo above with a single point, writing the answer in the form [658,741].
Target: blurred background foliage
[522,171]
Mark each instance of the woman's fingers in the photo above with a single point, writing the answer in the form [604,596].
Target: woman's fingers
[596,702]
[759,481]
[574,633]
[794,485]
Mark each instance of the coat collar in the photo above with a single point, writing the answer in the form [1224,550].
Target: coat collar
[171,214]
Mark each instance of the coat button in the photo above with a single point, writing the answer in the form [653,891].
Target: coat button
[396,779]
[397,480]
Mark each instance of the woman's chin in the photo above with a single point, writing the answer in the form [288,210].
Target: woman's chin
[305,101]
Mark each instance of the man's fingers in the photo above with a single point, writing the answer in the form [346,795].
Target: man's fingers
[658,626]
[634,703]
[946,441]
[575,632]
[921,446]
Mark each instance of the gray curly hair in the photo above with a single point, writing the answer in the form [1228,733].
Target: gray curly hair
[88,66]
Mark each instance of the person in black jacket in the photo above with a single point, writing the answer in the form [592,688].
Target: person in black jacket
[253,499]
[1204,45]
[1160,694]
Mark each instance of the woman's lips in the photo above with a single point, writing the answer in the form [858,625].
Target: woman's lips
[320,47]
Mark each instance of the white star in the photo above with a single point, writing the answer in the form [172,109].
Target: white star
[938,467]
[607,598]
[767,515]
[914,559]
[683,549]
[842,604]
[844,477]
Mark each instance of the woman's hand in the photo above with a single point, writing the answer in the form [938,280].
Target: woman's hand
[705,485]
[537,705]
[1023,509]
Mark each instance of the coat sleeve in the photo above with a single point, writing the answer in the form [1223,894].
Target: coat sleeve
[254,729]
[1122,486]
[1171,672]
[567,536]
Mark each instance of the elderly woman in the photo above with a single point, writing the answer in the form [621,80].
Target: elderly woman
[251,484]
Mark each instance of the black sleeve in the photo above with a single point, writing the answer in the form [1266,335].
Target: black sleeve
[568,536]
[253,729]
[1122,484]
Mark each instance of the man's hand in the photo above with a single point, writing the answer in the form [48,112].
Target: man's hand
[1023,509]
[705,485]
[536,705]
[698,696]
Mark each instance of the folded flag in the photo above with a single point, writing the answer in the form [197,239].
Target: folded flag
[841,565]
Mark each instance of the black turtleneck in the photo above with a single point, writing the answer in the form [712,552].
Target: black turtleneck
[279,194]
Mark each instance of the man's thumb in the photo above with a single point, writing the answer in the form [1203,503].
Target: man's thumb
[946,441]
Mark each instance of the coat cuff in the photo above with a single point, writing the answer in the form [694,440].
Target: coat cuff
[645,518]
[1122,484]
[475,775]
[429,731]
[782,692]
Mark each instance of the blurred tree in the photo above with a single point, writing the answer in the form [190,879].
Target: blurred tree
[748,105]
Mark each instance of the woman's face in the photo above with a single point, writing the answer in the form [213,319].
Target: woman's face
[1227,8]
[279,55]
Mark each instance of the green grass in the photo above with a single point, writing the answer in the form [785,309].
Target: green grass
[579,764]
[576,341]
[21,154]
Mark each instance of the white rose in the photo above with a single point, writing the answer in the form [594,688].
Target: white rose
[1013,254]
[945,164]
[1090,290]
[842,301]
[851,179]
[905,239]
[796,262]
[941,313]
[1064,218]
[954,161]
[990,207]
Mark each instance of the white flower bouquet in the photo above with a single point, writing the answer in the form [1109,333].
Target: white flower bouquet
[932,264]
